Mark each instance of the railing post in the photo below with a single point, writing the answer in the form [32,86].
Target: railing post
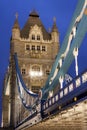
[75,53]
[61,79]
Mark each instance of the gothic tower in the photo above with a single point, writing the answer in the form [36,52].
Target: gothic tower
[36,49]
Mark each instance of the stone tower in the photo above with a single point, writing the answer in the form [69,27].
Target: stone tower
[36,49]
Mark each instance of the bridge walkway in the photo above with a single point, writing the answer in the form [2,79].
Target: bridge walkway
[73,118]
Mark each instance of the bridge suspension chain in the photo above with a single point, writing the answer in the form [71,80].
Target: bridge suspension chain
[72,41]
[28,98]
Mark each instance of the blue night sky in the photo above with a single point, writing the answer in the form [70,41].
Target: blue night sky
[47,9]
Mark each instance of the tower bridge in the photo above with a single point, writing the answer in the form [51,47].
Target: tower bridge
[35,95]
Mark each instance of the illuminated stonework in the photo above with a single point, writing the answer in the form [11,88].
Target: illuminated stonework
[36,49]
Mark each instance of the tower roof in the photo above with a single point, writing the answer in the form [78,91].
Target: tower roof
[16,24]
[54,28]
[34,20]
[34,14]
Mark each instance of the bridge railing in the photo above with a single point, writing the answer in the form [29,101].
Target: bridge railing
[73,85]
[46,108]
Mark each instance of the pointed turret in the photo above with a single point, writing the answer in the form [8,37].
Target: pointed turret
[54,32]
[55,37]
[54,28]
[16,25]
[16,29]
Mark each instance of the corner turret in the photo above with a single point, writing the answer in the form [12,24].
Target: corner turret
[16,29]
[54,32]
[55,38]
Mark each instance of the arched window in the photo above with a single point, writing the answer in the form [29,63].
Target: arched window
[47,72]
[36,89]
[43,48]
[23,71]
[33,47]
[27,47]
[36,71]
[38,48]
[36,68]
[33,37]
[38,37]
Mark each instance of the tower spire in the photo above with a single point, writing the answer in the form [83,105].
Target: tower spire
[16,24]
[16,28]
[54,20]
[54,28]
[16,15]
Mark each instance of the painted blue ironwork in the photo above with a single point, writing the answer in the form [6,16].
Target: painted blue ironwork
[76,88]
[20,76]
[64,44]
[21,85]
[75,34]
[64,98]
[81,28]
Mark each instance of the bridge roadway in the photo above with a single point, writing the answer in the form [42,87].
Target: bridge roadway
[73,118]
[65,110]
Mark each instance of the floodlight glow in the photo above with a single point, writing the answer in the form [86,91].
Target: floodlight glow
[50,93]
[35,74]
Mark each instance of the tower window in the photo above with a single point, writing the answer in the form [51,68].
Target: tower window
[43,48]
[35,89]
[47,72]
[23,71]
[36,68]
[38,48]
[33,37]
[33,47]
[38,37]
[36,71]
[27,47]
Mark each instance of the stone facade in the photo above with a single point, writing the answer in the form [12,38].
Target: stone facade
[6,102]
[36,50]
